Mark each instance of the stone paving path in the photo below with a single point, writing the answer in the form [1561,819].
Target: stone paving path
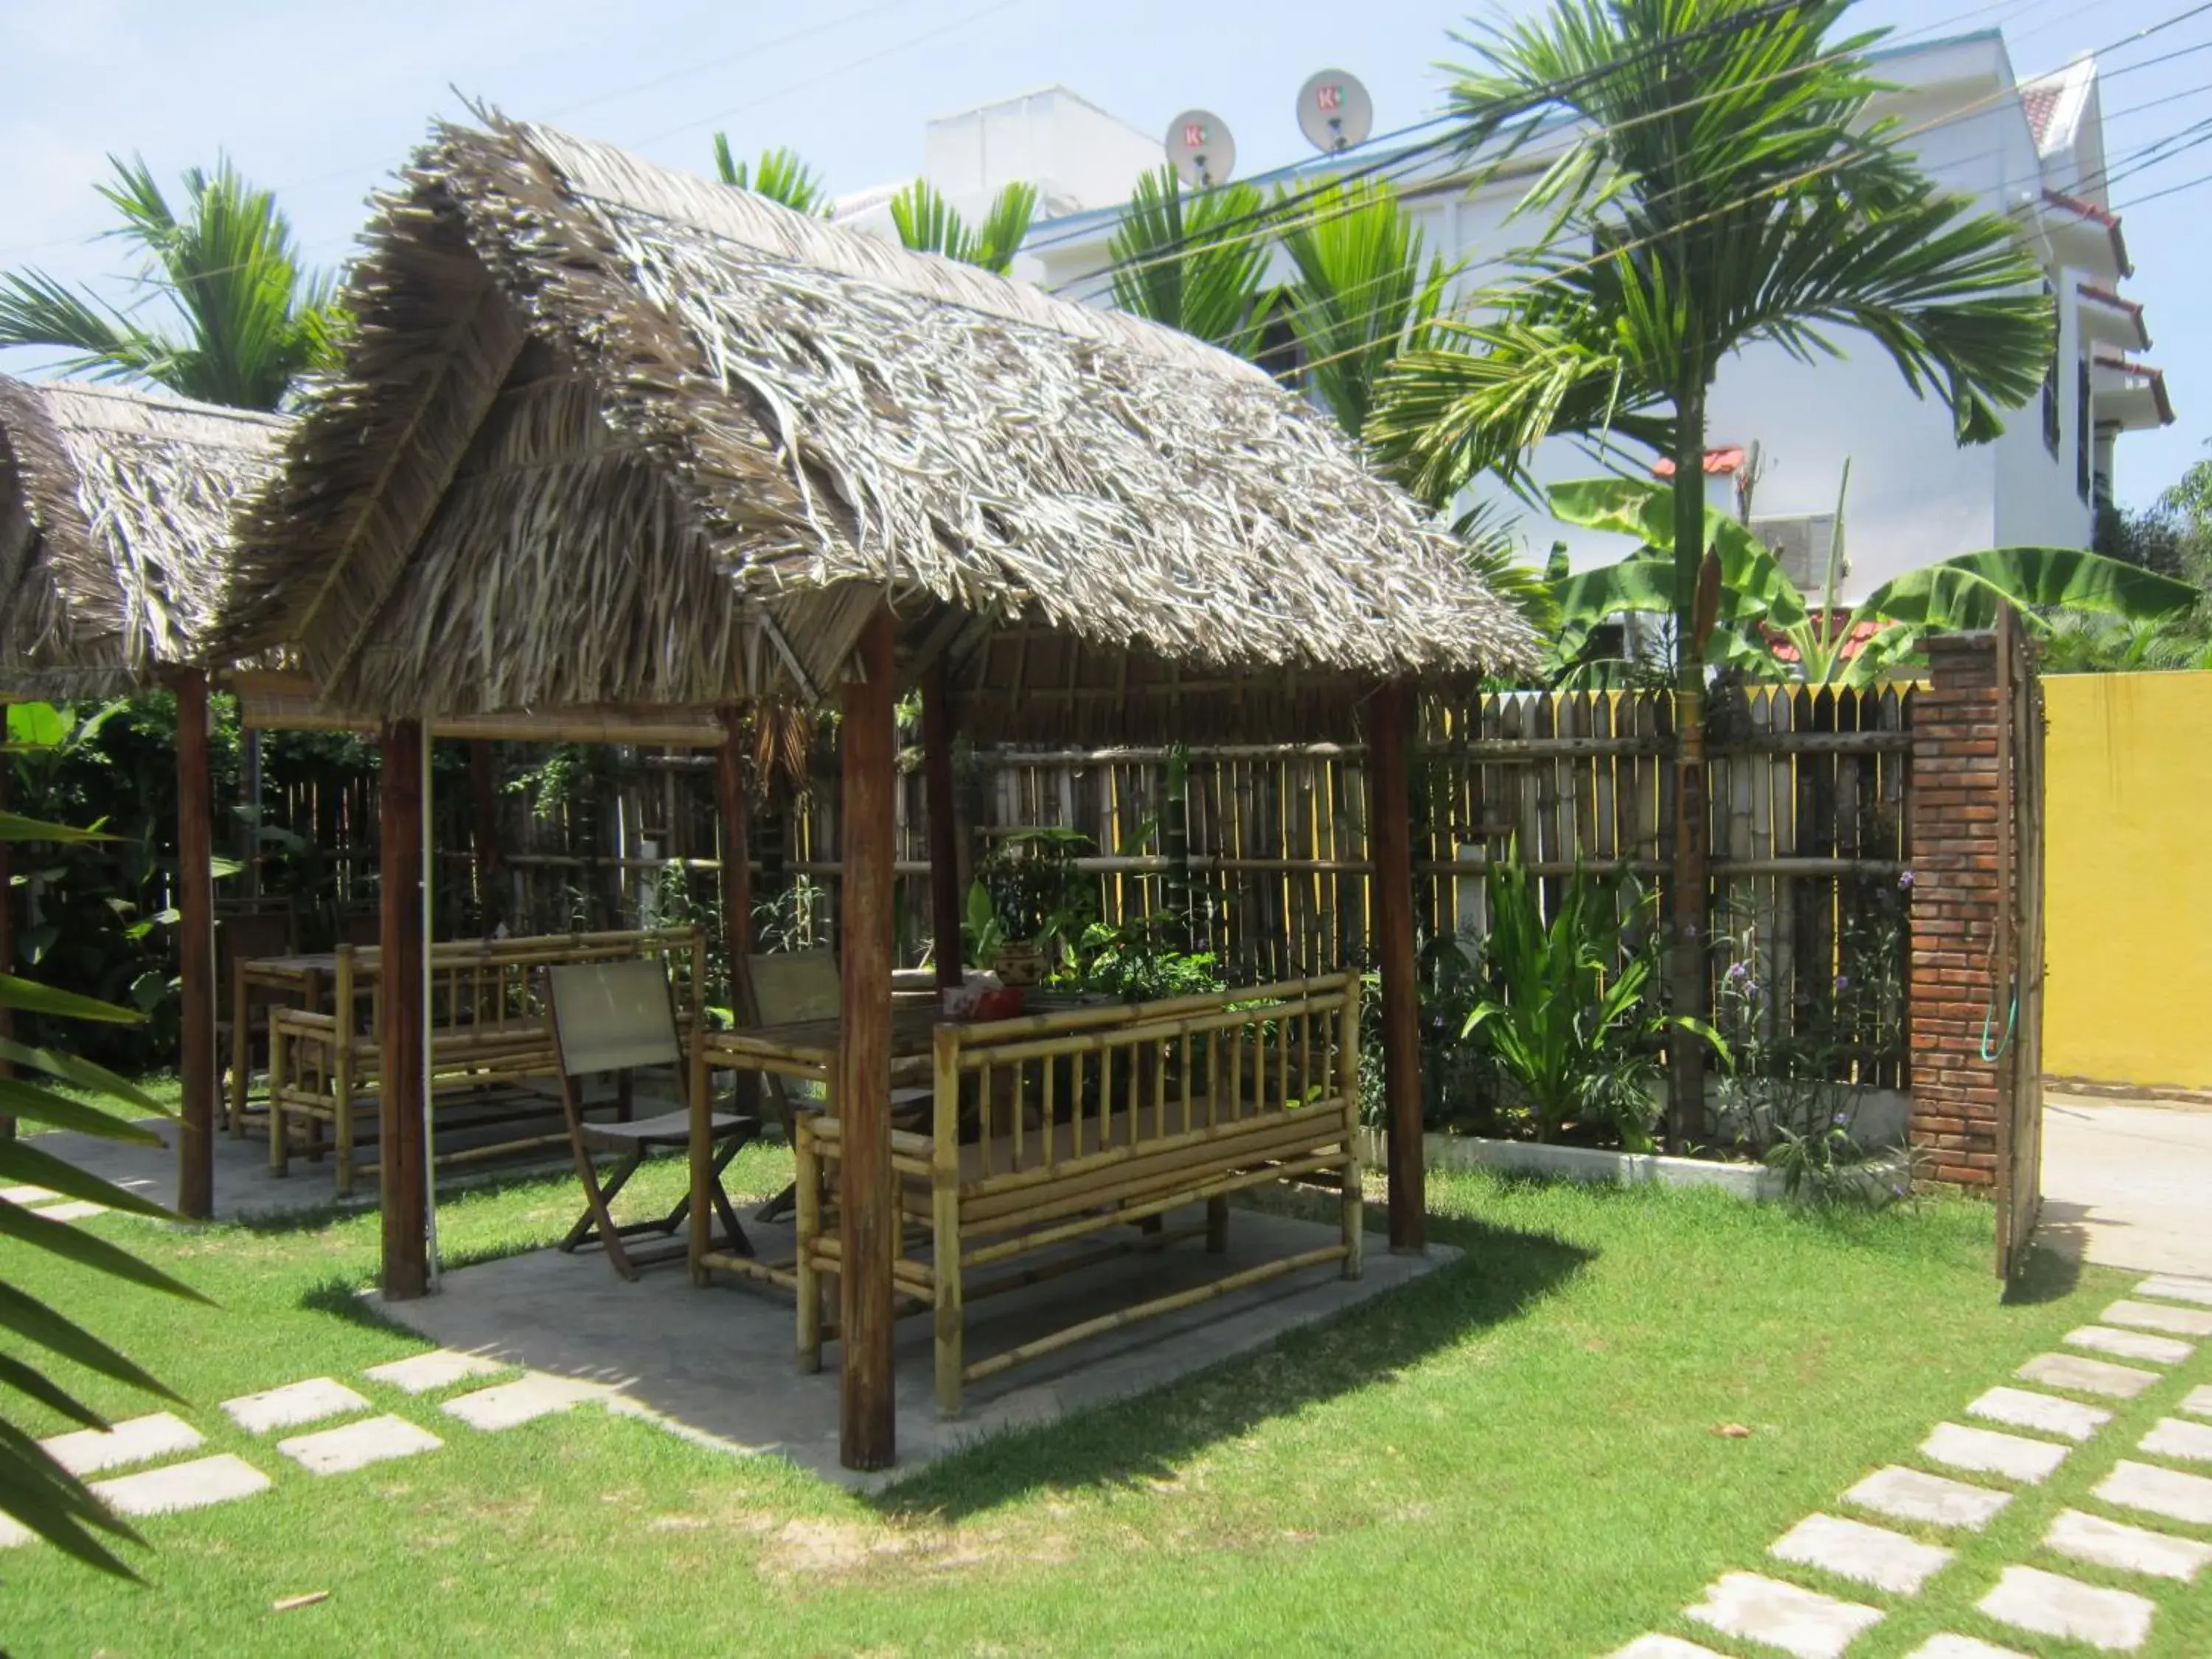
[344,1437]
[2130,1349]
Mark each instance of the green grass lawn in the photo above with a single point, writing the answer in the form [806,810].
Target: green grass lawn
[1516,1455]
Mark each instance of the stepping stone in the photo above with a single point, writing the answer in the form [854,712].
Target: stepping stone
[2155,1317]
[1664,1647]
[438,1369]
[1909,1495]
[293,1404]
[25,1195]
[2199,1402]
[2129,1345]
[1961,1647]
[2162,1491]
[14,1532]
[2185,1443]
[535,1394]
[356,1446]
[1984,1452]
[2110,1544]
[2175,1288]
[136,1440]
[2050,1604]
[2067,1371]
[2023,1408]
[192,1485]
[1866,1555]
[76,1209]
[1799,1621]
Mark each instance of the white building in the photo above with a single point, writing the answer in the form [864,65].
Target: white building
[2033,151]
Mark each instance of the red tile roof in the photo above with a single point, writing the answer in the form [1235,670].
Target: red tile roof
[1719,463]
[2039,103]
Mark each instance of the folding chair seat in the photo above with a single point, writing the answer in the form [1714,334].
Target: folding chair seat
[618,1016]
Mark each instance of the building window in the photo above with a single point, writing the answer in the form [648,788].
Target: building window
[2082,443]
[1281,354]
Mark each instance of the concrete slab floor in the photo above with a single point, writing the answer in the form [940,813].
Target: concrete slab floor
[244,1188]
[716,1364]
[2124,1184]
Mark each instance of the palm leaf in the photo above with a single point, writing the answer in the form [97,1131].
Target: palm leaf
[1364,294]
[1191,262]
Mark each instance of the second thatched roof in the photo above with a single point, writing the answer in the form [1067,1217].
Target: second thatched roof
[115,514]
[609,434]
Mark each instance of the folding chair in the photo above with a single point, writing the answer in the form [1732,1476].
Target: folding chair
[615,1017]
[782,988]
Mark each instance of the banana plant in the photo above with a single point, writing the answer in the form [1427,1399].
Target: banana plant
[1767,628]
[34,1489]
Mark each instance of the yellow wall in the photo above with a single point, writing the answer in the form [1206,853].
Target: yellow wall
[2128,882]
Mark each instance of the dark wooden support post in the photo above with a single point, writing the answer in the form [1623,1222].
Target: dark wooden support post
[7,927]
[249,797]
[402,1135]
[1390,832]
[735,808]
[491,849]
[945,896]
[868,1194]
[196,948]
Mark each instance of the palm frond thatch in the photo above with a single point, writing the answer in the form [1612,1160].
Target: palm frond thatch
[114,522]
[607,433]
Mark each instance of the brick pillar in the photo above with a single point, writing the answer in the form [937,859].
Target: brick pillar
[1957,811]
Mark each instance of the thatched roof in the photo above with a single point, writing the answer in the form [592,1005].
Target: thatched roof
[115,512]
[610,434]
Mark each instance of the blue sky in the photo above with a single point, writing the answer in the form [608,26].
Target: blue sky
[322,101]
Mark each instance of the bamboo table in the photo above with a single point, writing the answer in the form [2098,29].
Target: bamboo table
[804,1050]
[299,978]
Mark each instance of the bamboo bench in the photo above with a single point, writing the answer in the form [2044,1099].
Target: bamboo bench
[488,1035]
[1053,1127]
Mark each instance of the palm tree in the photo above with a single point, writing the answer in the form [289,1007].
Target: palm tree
[1366,294]
[1766,626]
[1719,186]
[249,318]
[778,175]
[1194,261]
[927,223]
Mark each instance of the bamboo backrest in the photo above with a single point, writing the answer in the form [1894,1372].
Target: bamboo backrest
[1109,1082]
[497,984]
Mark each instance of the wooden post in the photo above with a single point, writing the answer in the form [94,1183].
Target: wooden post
[491,850]
[1390,831]
[735,808]
[867,1193]
[7,927]
[402,1141]
[196,948]
[249,793]
[945,896]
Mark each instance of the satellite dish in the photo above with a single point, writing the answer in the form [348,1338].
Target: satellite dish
[1198,145]
[1335,111]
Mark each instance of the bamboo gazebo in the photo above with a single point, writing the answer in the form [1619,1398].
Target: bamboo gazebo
[607,434]
[115,514]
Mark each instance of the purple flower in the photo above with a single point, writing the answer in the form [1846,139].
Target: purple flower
[1897,1191]
[1840,1119]
[1842,983]
[1904,880]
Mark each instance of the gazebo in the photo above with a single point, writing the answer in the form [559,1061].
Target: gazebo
[608,435]
[115,513]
